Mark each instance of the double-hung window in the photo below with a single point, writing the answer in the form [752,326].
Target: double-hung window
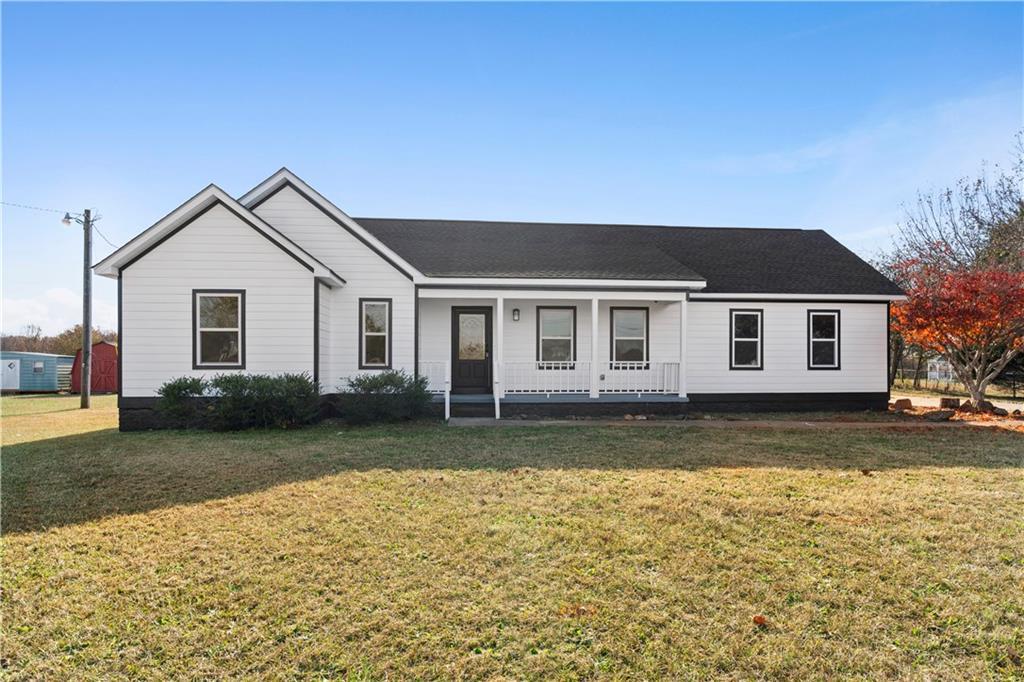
[746,342]
[556,337]
[630,338]
[218,328]
[374,333]
[38,368]
[822,339]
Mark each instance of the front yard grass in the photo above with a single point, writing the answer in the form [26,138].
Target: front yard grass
[568,552]
[35,417]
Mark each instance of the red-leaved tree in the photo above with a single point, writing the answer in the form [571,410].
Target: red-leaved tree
[972,317]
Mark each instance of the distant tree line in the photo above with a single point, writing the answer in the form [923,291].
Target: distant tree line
[67,342]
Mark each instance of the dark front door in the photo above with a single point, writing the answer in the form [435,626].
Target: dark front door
[471,350]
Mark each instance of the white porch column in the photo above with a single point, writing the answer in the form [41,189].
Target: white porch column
[595,368]
[499,347]
[682,346]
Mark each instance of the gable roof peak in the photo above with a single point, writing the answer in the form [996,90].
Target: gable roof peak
[199,203]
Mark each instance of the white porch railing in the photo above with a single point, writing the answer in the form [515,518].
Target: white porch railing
[563,377]
[639,377]
[436,374]
[439,380]
[574,377]
[547,377]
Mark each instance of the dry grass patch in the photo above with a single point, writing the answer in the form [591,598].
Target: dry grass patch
[584,552]
[25,418]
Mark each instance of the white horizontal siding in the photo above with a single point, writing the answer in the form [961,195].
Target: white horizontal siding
[862,342]
[436,327]
[663,335]
[220,251]
[367,276]
[216,251]
[521,337]
[863,339]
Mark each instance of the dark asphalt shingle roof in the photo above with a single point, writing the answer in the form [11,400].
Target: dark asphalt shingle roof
[732,260]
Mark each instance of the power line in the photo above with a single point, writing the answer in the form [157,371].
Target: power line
[34,208]
[54,210]
[112,244]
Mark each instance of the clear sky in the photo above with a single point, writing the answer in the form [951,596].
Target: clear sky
[775,115]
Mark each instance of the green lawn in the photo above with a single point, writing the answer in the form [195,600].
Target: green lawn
[558,552]
[46,403]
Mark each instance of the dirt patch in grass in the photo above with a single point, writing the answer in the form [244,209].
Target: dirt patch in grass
[570,552]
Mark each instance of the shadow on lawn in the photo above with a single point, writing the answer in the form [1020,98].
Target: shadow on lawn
[74,479]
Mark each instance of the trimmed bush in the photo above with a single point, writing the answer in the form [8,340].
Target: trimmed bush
[179,401]
[245,401]
[387,396]
[230,402]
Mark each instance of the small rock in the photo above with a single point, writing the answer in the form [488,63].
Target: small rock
[1000,412]
[985,406]
[1017,413]
[967,407]
[629,417]
[949,403]
[903,404]
[641,417]
[939,415]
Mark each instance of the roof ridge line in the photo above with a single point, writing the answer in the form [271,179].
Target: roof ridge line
[533,222]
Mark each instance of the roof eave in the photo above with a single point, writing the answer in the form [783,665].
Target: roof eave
[561,283]
[768,296]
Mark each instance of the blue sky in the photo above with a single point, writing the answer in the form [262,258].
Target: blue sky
[791,115]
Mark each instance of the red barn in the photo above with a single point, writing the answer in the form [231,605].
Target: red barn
[104,369]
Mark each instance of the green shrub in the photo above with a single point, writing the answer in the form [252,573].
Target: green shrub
[245,401]
[230,402]
[387,396]
[179,400]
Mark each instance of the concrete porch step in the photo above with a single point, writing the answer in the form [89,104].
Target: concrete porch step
[473,409]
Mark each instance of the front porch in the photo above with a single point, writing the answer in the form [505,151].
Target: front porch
[554,347]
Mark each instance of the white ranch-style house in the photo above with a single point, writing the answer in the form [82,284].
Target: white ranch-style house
[502,318]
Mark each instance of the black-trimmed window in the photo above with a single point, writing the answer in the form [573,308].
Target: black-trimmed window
[630,338]
[218,328]
[822,339]
[556,337]
[38,367]
[375,333]
[746,339]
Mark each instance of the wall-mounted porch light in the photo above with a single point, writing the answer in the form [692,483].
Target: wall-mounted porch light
[515,314]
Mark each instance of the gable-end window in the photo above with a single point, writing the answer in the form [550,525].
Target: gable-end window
[374,333]
[218,328]
[556,337]
[630,333]
[746,342]
[38,367]
[822,339]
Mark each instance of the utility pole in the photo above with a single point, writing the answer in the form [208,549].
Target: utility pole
[86,308]
[86,220]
